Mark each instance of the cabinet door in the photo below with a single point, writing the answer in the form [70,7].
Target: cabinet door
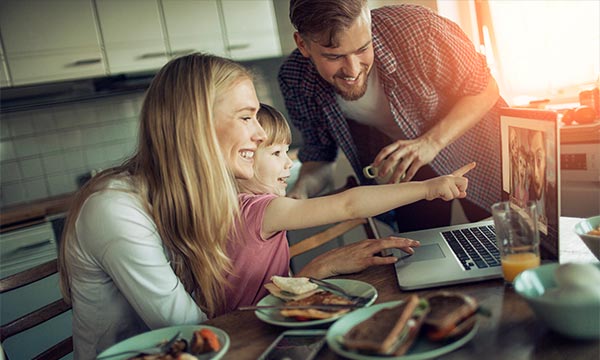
[132,34]
[193,25]
[251,29]
[4,80]
[36,33]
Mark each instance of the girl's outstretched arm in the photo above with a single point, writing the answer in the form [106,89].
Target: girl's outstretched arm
[364,201]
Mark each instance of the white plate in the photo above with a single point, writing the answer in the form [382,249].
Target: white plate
[154,337]
[421,349]
[272,316]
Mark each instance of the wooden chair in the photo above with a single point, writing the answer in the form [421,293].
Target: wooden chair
[337,230]
[38,316]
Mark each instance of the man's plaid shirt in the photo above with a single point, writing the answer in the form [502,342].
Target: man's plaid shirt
[426,63]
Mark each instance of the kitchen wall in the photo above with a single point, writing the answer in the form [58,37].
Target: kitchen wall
[44,151]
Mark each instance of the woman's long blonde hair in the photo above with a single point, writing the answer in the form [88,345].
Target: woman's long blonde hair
[180,175]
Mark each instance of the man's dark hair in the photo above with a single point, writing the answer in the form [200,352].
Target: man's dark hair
[322,20]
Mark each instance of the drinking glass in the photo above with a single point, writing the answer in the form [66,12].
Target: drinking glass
[517,236]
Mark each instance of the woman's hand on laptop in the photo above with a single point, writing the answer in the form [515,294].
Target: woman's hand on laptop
[356,257]
[449,187]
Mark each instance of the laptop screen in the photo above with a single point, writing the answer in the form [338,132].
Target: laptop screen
[530,169]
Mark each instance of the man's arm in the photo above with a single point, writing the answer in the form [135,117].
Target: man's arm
[411,155]
[464,115]
[314,177]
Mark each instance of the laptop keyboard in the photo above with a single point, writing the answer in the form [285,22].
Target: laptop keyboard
[474,247]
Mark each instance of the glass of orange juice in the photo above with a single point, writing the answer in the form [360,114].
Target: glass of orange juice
[517,236]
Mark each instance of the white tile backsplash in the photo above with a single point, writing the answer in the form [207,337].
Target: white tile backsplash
[43,122]
[51,142]
[6,150]
[31,168]
[21,126]
[35,189]
[4,129]
[55,144]
[71,139]
[74,160]
[54,163]
[61,184]
[44,151]
[26,146]
[12,194]
[9,171]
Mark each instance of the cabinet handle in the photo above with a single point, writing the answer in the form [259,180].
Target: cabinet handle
[238,47]
[152,55]
[34,245]
[182,52]
[86,62]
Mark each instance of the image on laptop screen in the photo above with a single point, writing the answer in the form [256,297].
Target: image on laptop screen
[530,169]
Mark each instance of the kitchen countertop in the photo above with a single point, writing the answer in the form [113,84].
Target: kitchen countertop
[16,216]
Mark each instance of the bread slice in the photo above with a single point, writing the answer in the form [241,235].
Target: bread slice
[321,298]
[381,333]
[286,296]
[450,315]
[294,285]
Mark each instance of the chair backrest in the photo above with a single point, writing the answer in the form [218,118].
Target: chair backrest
[38,316]
[337,230]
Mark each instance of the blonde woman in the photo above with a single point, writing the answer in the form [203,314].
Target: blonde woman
[145,243]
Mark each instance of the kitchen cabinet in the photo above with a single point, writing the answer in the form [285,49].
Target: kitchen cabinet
[193,25]
[4,80]
[73,39]
[251,29]
[50,40]
[132,34]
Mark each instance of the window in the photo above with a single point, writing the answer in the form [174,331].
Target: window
[541,49]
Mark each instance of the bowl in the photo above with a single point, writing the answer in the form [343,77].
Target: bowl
[577,317]
[591,241]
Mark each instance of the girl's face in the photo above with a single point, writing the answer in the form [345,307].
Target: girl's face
[238,131]
[272,167]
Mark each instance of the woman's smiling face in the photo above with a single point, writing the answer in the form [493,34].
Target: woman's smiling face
[238,131]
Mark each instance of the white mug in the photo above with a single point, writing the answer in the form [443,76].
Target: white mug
[372,172]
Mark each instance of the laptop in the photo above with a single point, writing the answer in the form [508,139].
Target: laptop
[468,252]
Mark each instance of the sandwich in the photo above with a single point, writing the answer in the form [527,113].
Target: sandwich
[299,291]
[451,314]
[390,331]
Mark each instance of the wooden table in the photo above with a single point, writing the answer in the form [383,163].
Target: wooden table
[512,332]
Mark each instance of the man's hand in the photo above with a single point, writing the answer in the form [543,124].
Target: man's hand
[356,257]
[406,157]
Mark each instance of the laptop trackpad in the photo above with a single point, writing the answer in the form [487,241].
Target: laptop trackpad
[425,252]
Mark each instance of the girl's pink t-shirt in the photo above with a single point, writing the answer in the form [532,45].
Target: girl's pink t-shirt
[254,259]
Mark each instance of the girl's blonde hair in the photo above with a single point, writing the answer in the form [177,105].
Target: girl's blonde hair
[278,131]
[275,126]
[180,175]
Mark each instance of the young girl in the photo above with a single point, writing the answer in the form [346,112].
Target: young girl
[266,214]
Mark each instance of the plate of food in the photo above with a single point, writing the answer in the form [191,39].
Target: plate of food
[303,299]
[414,329]
[200,342]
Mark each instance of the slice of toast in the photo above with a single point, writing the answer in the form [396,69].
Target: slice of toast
[379,333]
[286,296]
[320,298]
[451,314]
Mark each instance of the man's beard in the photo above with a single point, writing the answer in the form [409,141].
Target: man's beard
[353,94]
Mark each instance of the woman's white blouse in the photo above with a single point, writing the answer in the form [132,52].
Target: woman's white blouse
[121,279]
